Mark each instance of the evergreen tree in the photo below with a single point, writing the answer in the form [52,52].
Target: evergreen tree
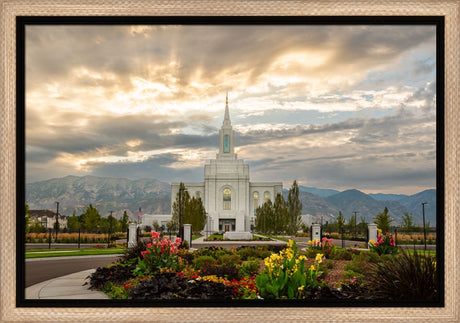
[294,209]
[279,214]
[194,214]
[383,221]
[193,211]
[264,217]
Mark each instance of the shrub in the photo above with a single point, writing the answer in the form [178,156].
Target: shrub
[408,277]
[232,259]
[350,274]
[247,253]
[341,254]
[202,261]
[329,264]
[249,268]
[112,273]
[361,262]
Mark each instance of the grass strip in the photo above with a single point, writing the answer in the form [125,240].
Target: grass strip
[45,253]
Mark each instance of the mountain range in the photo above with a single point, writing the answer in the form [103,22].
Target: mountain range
[154,197]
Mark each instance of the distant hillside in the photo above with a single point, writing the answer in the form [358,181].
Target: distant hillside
[388,197]
[353,200]
[316,206]
[318,191]
[120,194]
[414,203]
[350,201]
[108,194]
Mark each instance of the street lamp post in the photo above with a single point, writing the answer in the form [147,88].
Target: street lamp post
[57,221]
[424,227]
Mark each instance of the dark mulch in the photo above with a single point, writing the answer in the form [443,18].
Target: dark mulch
[171,286]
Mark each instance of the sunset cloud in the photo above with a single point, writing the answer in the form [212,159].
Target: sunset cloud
[331,106]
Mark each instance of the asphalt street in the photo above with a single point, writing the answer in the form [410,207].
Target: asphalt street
[41,269]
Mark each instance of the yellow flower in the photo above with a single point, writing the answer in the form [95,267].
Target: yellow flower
[300,289]
[372,242]
[379,231]
[290,243]
[310,242]
[319,257]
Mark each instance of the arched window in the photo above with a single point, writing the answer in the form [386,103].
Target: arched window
[226,144]
[267,196]
[256,201]
[227,199]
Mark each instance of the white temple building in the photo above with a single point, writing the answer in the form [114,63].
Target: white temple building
[229,198]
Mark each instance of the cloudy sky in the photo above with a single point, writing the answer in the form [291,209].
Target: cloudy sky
[330,106]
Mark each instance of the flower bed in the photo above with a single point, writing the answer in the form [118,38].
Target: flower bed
[163,270]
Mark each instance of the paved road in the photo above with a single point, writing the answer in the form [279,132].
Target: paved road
[41,269]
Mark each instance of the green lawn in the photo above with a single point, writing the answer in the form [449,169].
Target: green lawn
[42,253]
[422,252]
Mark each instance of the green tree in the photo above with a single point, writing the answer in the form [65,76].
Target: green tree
[193,211]
[352,224]
[264,217]
[279,214]
[124,222]
[73,223]
[408,224]
[37,227]
[195,214]
[91,219]
[383,221]
[362,225]
[156,226]
[340,222]
[294,209]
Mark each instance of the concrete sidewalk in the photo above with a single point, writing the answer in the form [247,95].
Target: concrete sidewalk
[201,241]
[65,287]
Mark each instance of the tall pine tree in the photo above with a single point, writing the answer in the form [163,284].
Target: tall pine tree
[294,209]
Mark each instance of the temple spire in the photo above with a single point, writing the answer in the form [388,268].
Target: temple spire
[227,114]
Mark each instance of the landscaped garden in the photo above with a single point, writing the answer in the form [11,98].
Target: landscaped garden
[162,269]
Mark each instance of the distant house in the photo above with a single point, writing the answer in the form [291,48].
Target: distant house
[48,218]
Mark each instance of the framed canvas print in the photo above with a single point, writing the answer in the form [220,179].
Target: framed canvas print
[182,160]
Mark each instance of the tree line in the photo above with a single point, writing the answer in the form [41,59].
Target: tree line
[281,216]
[383,221]
[89,221]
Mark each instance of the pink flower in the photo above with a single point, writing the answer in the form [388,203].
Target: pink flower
[149,245]
[155,235]
[145,253]
[178,241]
